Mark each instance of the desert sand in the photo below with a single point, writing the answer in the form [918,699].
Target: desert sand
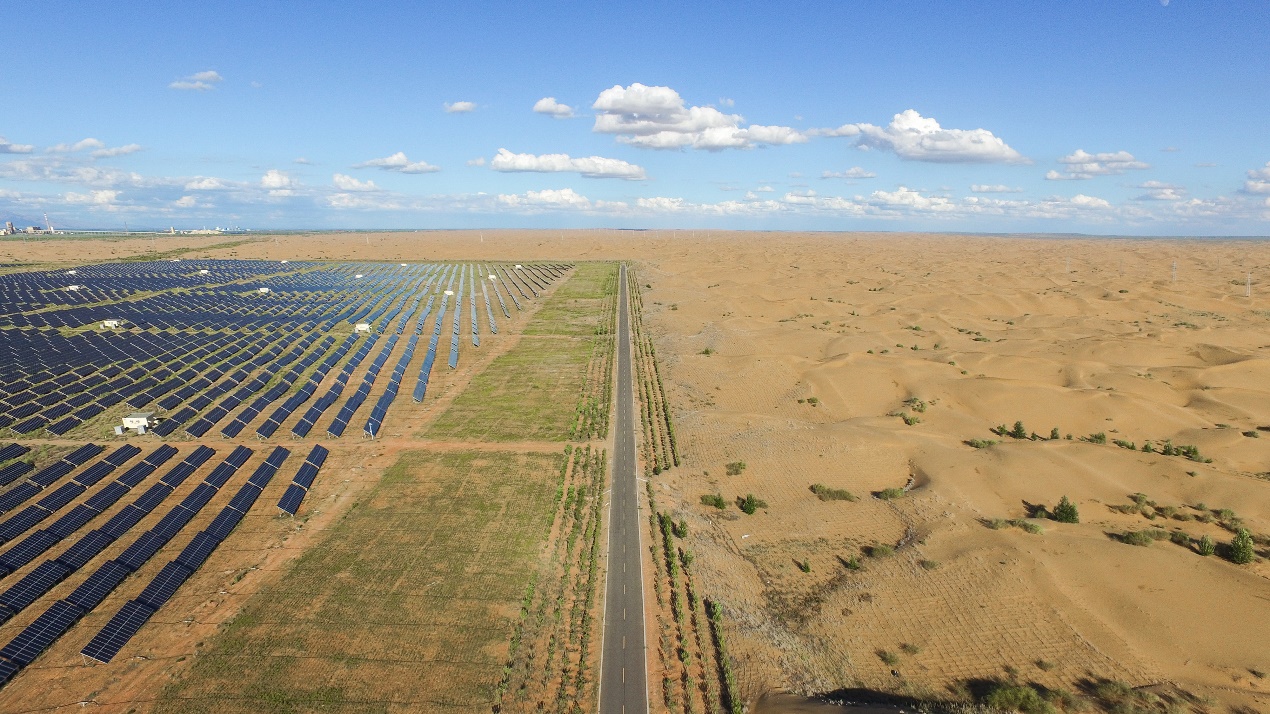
[959,334]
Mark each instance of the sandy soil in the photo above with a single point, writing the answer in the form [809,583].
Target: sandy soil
[1079,335]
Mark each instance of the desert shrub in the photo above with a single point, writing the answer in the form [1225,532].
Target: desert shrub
[1241,548]
[1206,546]
[852,563]
[1018,431]
[815,402]
[1029,526]
[979,443]
[1124,444]
[929,564]
[1099,438]
[1018,698]
[735,468]
[1179,538]
[750,504]
[910,419]
[1225,514]
[1066,512]
[680,529]
[996,524]
[825,493]
[909,648]
[1167,511]
[888,657]
[1137,538]
[1054,434]
[803,565]
[890,494]
[1044,665]
[879,550]
[714,499]
[707,352]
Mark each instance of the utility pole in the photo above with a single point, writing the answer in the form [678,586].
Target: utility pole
[1175,271]
[1248,286]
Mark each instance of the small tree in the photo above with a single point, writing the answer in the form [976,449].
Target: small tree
[1054,434]
[1241,551]
[1065,511]
[750,504]
[1018,432]
[1206,546]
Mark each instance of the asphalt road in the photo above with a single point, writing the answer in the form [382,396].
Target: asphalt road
[623,669]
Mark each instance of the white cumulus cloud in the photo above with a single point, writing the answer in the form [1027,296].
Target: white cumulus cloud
[8,148]
[278,183]
[347,183]
[1158,191]
[855,172]
[658,118]
[103,197]
[552,108]
[116,151]
[459,107]
[546,198]
[1080,165]
[199,81]
[914,137]
[1258,180]
[185,202]
[589,166]
[478,161]
[89,143]
[398,162]
[993,188]
[205,183]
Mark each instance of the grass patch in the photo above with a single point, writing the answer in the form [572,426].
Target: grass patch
[825,493]
[443,538]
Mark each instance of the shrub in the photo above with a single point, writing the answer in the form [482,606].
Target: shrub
[1066,512]
[750,504]
[909,648]
[890,494]
[680,529]
[1180,538]
[1018,698]
[1137,538]
[888,657]
[852,563]
[735,468]
[1018,431]
[1029,526]
[803,565]
[1206,546]
[813,401]
[910,419]
[1099,438]
[714,499]
[825,493]
[928,564]
[1241,550]
[1054,433]
[707,352]
[879,550]
[1124,444]
[997,524]
[979,443]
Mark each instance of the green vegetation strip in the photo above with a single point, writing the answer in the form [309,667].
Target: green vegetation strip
[407,604]
[518,397]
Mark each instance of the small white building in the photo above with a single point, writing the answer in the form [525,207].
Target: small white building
[72,272]
[358,275]
[72,287]
[109,324]
[204,272]
[362,327]
[139,421]
[263,290]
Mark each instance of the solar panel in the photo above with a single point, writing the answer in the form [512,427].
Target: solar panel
[317,456]
[121,455]
[199,496]
[172,522]
[165,584]
[277,456]
[75,519]
[46,477]
[80,456]
[12,451]
[36,638]
[106,497]
[85,549]
[198,550]
[123,521]
[121,628]
[92,591]
[290,501]
[14,471]
[34,585]
[304,477]
[224,523]
[28,549]
[245,498]
[8,670]
[21,522]
[17,496]
[141,550]
[61,496]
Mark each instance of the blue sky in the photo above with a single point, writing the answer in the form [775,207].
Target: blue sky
[1130,117]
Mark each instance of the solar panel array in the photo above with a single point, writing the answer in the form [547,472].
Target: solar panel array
[303,480]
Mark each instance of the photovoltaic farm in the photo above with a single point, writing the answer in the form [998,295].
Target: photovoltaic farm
[248,485]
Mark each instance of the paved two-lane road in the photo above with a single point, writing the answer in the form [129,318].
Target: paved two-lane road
[623,669]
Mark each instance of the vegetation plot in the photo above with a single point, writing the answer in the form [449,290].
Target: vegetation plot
[409,602]
[559,360]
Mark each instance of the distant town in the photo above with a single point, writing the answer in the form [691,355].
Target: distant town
[48,229]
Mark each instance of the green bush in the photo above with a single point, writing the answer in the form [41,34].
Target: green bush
[1241,549]
[1054,434]
[735,468]
[879,550]
[979,443]
[803,565]
[1099,438]
[1137,538]
[750,504]
[1065,511]
[1018,431]
[852,563]
[888,657]
[1018,698]
[680,529]
[890,494]
[1180,538]
[825,493]
[1206,546]
[714,499]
